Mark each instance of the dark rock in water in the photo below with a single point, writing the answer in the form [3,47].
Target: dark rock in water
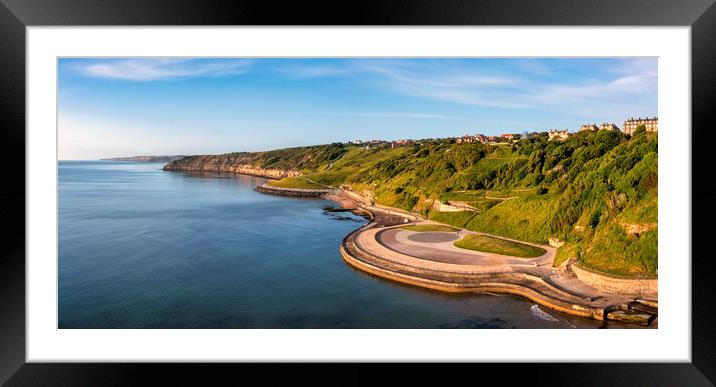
[631,316]
[476,322]
[330,211]
[334,216]
[330,208]
[347,218]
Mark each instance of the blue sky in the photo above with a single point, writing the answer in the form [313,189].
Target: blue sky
[129,106]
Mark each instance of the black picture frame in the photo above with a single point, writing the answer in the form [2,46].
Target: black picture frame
[15,15]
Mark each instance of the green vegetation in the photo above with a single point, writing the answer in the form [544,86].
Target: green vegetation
[565,252]
[490,244]
[526,219]
[581,191]
[615,252]
[430,227]
[457,219]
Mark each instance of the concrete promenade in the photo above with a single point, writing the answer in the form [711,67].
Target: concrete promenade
[430,260]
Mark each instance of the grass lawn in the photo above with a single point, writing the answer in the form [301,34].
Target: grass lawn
[498,246]
[430,227]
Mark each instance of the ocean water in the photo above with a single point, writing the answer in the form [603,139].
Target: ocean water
[143,248]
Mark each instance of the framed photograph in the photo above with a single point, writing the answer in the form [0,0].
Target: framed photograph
[433,182]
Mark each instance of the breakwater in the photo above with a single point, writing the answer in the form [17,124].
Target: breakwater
[295,192]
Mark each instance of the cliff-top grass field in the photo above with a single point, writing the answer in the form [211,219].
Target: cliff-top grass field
[596,191]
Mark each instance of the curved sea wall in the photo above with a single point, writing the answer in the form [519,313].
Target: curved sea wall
[616,285]
[359,252]
[223,163]
[521,284]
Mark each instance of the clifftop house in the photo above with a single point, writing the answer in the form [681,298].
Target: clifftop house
[468,139]
[561,135]
[398,143]
[609,126]
[592,127]
[651,124]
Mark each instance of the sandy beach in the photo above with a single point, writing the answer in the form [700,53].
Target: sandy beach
[342,200]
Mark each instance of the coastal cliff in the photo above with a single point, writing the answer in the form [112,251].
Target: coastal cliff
[227,163]
[274,164]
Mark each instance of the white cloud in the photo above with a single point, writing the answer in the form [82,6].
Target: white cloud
[155,69]
[632,80]
[426,116]
[449,84]
[305,71]
[439,76]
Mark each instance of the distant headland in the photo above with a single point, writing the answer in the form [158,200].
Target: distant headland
[147,159]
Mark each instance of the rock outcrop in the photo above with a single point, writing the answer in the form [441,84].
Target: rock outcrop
[452,206]
[637,228]
[555,242]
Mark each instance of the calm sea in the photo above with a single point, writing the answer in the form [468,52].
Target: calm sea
[144,248]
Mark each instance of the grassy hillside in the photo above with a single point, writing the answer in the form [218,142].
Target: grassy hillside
[596,191]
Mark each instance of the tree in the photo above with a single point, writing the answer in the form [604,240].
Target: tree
[639,130]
